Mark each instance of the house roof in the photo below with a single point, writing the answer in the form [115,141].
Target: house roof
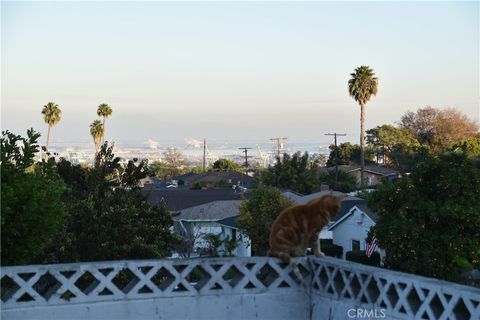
[383,171]
[343,217]
[179,199]
[229,222]
[212,211]
[292,195]
[215,176]
[347,206]
[304,199]
[347,203]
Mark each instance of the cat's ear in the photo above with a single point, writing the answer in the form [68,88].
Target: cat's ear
[341,197]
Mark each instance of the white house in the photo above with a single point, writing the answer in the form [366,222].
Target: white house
[351,226]
[216,217]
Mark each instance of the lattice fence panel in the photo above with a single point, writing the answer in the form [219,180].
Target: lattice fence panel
[402,296]
[104,281]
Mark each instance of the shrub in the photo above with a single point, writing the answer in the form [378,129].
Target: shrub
[360,256]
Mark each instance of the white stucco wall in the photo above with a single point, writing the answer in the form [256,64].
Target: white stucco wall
[354,227]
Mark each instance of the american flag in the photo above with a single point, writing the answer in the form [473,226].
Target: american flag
[371,247]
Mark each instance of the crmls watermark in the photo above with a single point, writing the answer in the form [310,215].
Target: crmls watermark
[363,313]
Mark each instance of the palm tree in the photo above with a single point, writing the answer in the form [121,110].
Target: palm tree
[51,115]
[96,130]
[361,86]
[104,111]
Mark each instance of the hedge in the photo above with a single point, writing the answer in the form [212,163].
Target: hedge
[361,257]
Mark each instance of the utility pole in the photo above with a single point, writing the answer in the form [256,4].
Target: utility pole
[336,154]
[279,144]
[204,153]
[245,150]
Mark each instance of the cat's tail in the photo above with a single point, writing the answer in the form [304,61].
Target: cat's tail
[291,263]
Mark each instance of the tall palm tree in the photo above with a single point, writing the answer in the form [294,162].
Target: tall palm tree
[104,111]
[361,86]
[96,130]
[51,115]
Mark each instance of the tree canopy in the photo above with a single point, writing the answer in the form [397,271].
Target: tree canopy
[429,222]
[349,154]
[32,210]
[396,146]
[296,172]
[362,84]
[257,216]
[110,218]
[227,165]
[96,131]
[439,129]
[51,115]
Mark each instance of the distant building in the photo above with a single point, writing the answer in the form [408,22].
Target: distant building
[373,174]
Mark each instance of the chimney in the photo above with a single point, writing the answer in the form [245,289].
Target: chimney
[324,187]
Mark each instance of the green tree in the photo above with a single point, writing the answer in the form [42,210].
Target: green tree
[214,243]
[162,170]
[258,214]
[227,165]
[346,182]
[429,221]
[110,217]
[296,172]
[349,154]
[51,115]
[396,145]
[32,210]
[230,244]
[361,86]
[104,111]
[470,147]
[96,131]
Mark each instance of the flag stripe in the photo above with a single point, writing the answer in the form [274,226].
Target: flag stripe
[371,247]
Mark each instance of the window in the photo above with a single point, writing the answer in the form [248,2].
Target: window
[355,245]
[234,233]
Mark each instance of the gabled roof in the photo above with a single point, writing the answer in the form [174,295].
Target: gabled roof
[347,203]
[304,199]
[347,206]
[229,222]
[382,171]
[215,176]
[339,218]
[212,211]
[179,199]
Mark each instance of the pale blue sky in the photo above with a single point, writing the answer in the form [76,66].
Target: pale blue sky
[232,70]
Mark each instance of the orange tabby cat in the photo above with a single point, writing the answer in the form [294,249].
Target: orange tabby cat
[297,228]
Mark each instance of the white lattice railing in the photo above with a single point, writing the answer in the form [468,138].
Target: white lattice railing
[334,286]
[402,296]
[113,280]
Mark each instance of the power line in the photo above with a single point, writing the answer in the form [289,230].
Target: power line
[336,155]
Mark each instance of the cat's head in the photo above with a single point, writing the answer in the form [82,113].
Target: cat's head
[332,203]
